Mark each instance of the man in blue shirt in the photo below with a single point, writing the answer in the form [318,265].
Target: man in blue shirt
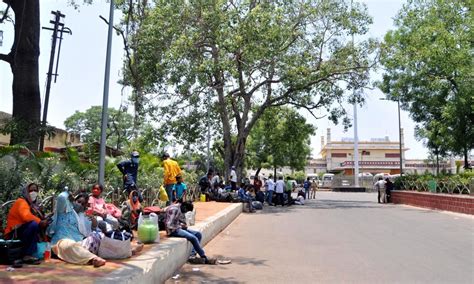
[129,170]
[179,188]
[306,186]
[245,197]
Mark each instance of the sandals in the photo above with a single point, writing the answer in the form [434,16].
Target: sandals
[31,260]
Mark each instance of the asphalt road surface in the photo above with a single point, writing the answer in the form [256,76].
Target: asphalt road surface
[341,238]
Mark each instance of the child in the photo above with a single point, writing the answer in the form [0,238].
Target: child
[97,205]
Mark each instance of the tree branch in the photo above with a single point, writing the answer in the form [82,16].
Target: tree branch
[5,14]
[6,57]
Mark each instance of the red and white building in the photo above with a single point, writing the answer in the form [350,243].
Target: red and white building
[379,155]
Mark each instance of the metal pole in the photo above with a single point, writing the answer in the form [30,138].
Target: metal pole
[356,138]
[400,137]
[57,18]
[208,162]
[105,103]
[356,149]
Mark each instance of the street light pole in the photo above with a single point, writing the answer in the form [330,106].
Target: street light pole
[105,101]
[399,133]
[400,137]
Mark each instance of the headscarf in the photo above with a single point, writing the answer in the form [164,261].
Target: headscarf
[134,206]
[64,205]
[34,205]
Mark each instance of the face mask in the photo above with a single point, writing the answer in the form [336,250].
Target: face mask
[135,199]
[33,195]
[95,192]
[135,160]
[78,207]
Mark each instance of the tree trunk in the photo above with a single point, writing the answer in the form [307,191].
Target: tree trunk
[24,64]
[437,163]
[466,159]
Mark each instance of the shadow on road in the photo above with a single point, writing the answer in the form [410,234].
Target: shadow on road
[187,274]
[326,204]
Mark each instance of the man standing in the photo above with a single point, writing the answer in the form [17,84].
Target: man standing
[270,185]
[314,188]
[129,170]
[172,169]
[306,186]
[279,189]
[380,186]
[233,178]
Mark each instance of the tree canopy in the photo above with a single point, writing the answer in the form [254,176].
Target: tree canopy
[429,67]
[281,137]
[88,125]
[241,58]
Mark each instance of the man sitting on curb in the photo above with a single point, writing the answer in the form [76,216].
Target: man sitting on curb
[176,227]
[245,197]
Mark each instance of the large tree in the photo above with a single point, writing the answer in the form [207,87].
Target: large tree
[23,60]
[429,67]
[244,57]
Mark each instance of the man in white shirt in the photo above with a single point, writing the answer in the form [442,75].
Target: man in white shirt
[270,186]
[279,189]
[233,178]
[380,186]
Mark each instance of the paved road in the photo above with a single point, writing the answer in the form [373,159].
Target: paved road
[341,238]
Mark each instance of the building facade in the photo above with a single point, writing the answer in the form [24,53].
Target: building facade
[378,155]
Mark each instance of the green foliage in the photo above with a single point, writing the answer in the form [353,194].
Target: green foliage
[280,138]
[88,125]
[429,67]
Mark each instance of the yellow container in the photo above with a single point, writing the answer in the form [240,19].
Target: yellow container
[203,198]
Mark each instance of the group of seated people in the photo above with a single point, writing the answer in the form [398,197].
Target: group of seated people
[78,224]
[74,229]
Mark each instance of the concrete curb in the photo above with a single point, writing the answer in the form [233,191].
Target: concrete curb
[159,263]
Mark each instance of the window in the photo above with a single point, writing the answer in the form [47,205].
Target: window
[338,155]
[365,153]
[392,155]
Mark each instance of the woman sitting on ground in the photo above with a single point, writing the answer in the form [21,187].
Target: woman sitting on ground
[132,210]
[25,221]
[71,232]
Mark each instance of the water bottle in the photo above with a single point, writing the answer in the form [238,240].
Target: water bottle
[47,252]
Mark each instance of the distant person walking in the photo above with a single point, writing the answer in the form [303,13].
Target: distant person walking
[380,187]
[129,170]
[314,188]
[233,178]
[388,189]
[172,169]
[307,187]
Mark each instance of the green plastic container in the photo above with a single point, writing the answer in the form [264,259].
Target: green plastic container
[147,232]
[432,185]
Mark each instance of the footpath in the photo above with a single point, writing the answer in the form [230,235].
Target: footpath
[154,264]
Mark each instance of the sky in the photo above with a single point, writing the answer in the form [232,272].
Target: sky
[82,62]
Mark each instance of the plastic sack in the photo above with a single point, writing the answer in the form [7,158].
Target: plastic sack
[111,248]
[163,194]
[257,205]
[190,217]
[203,198]
[113,210]
[148,228]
